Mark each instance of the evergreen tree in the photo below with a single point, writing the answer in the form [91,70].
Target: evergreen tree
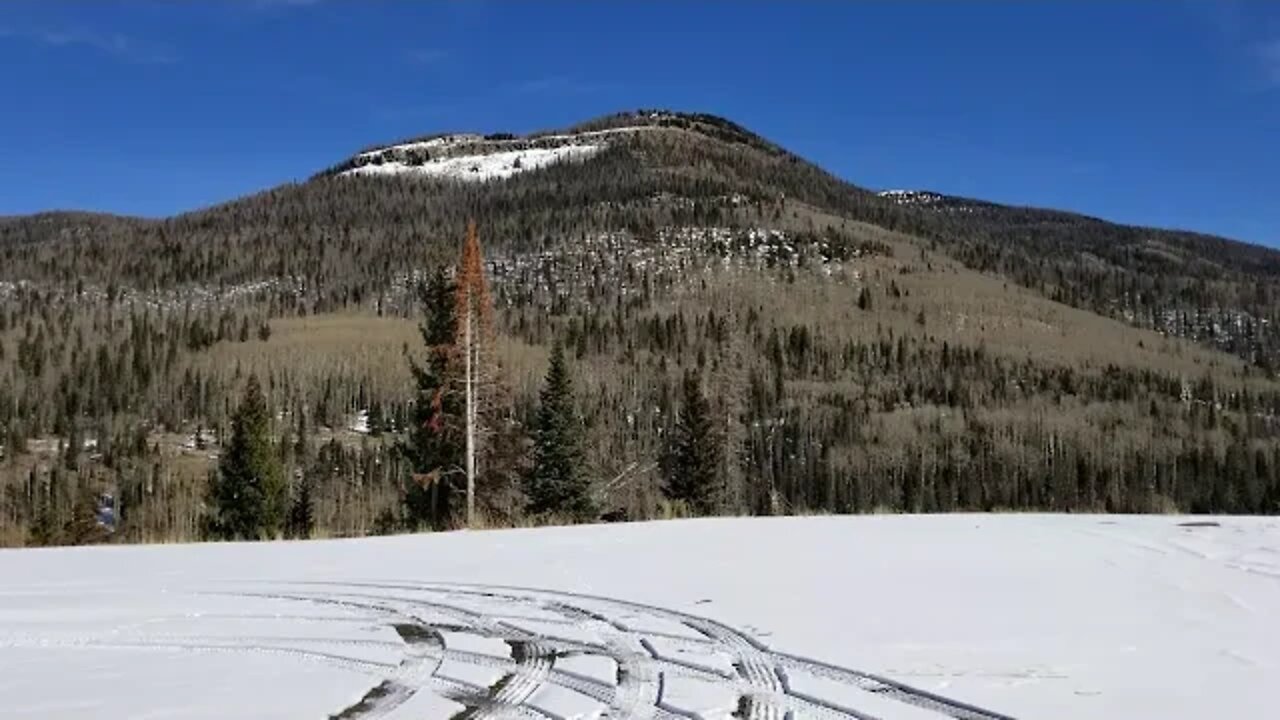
[75,442]
[463,420]
[556,484]
[248,492]
[81,527]
[302,439]
[693,461]
[434,446]
[44,529]
[301,522]
[377,421]
[15,441]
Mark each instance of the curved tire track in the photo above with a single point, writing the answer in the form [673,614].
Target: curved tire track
[762,672]
[422,613]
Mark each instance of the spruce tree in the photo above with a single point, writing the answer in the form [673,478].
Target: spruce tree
[301,522]
[43,530]
[81,526]
[75,442]
[248,493]
[556,484]
[434,446]
[693,461]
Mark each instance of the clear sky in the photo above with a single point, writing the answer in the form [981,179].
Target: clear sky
[1162,113]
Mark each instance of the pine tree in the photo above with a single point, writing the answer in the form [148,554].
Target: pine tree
[434,446]
[75,442]
[376,420]
[81,527]
[556,484]
[301,522]
[248,492]
[43,530]
[15,440]
[302,439]
[693,462]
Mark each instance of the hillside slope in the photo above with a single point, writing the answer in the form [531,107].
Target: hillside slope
[860,350]
[636,171]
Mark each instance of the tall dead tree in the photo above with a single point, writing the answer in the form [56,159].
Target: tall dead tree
[474,308]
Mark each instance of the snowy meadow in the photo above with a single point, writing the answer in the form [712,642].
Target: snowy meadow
[963,616]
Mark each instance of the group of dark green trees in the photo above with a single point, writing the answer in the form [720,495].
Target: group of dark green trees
[249,495]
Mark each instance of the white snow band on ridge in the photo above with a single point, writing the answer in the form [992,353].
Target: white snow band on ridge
[478,168]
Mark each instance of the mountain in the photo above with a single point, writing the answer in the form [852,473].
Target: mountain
[652,168]
[897,349]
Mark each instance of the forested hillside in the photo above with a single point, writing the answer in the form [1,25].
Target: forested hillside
[812,346]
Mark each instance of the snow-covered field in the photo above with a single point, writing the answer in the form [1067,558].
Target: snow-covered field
[866,617]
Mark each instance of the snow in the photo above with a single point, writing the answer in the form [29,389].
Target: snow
[495,162]
[593,666]
[204,438]
[1029,616]
[449,141]
[359,422]
[478,168]
[906,197]
[439,142]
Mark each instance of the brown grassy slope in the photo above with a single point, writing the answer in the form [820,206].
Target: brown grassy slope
[357,343]
[960,306]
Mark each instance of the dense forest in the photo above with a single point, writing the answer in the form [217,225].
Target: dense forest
[692,321]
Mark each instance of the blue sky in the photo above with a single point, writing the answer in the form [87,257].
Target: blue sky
[1162,113]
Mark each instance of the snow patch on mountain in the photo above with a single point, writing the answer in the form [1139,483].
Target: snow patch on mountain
[458,140]
[443,141]
[911,197]
[481,167]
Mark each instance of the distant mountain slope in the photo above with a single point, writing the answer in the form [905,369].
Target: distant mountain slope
[638,171]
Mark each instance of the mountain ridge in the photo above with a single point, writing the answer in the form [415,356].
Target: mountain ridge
[1178,282]
[638,119]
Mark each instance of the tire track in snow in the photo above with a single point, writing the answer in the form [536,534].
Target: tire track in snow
[538,627]
[761,668]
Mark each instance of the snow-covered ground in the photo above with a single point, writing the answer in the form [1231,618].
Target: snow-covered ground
[911,197]
[1020,615]
[490,166]
[445,142]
